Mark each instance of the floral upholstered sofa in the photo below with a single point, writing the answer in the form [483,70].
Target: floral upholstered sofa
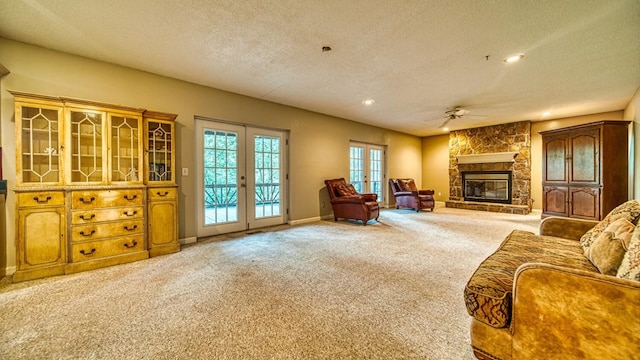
[572,292]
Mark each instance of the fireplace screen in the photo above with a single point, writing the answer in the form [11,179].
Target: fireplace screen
[489,186]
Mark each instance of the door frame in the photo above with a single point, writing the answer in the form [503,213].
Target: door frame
[366,168]
[242,224]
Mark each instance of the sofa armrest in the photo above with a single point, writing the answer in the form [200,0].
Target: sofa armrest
[426,192]
[564,313]
[370,196]
[566,228]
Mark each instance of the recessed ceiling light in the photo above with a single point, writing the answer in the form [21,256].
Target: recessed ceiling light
[513,58]
[546,113]
[445,129]
[368,102]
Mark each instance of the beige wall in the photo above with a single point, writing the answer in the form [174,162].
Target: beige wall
[632,112]
[435,165]
[319,144]
[435,153]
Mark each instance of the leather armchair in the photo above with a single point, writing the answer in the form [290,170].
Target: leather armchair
[348,204]
[407,195]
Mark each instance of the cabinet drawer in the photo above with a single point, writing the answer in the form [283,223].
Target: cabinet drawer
[104,230]
[40,198]
[106,198]
[100,215]
[100,249]
[164,193]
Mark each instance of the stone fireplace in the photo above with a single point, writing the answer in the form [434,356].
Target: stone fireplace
[504,149]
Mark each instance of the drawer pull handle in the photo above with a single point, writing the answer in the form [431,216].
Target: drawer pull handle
[130,198]
[93,231]
[87,201]
[88,253]
[133,244]
[165,193]
[130,213]
[41,199]
[86,218]
[126,227]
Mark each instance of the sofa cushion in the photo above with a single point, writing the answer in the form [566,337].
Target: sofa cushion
[488,292]
[630,211]
[630,266]
[608,249]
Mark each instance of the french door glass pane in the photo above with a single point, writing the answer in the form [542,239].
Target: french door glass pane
[220,176]
[375,171]
[356,172]
[267,176]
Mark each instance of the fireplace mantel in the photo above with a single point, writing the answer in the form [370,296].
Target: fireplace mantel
[507,156]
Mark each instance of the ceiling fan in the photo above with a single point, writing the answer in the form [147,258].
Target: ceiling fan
[455,113]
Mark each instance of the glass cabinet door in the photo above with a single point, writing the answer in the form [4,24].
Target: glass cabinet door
[86,146]
[39,143]
[125,150]
[160,146]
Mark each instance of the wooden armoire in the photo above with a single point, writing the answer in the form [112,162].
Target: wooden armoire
[95,185]
[585,169]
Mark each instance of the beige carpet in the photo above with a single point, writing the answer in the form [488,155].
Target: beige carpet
[325,290]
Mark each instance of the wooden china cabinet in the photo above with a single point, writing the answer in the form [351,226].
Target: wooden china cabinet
[585,169]
[87,185]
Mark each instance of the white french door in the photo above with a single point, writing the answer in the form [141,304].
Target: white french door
[241,177]
[366,173]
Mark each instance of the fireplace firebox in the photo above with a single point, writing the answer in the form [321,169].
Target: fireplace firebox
[487,186]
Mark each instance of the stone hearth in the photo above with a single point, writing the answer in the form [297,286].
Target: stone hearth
[512,138]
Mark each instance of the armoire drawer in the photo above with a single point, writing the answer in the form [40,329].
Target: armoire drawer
[104,230]
[162,193]
[105,248]
[40,198]
[90,199]
[99,215]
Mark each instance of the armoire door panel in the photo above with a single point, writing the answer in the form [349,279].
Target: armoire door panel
[555,200]
[584,157]
[556,160]
[584,203]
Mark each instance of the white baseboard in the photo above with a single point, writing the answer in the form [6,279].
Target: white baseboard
[307,220]
[189,240]
[9,270]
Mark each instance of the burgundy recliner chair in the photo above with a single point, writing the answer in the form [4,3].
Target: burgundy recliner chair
[348,204]
[408,195]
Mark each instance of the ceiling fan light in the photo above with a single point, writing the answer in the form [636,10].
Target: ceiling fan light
[514,58]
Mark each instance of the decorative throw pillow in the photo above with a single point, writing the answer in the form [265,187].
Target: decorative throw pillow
[630,266]
[345,190]
[608,249]
[407,185]
[630,211]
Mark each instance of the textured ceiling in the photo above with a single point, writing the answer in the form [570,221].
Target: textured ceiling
[417,59]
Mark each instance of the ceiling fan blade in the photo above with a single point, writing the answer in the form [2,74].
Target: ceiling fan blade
[444,124]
